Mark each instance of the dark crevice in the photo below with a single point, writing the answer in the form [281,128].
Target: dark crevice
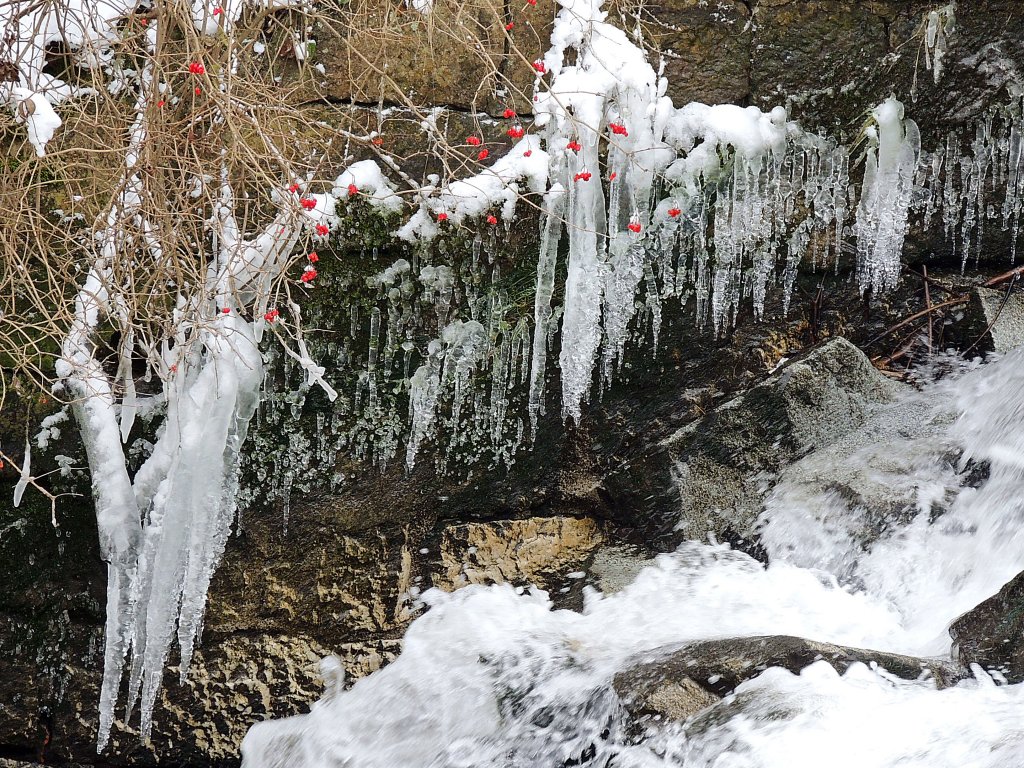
[378,105]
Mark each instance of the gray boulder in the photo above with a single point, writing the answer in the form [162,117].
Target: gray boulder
[996,319]
[710,478]
[676,682]
[992,634]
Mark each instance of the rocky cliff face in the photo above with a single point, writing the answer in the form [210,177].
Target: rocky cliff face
[335,564]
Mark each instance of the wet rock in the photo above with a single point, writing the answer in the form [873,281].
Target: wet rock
[615,567]
[712,475]
[992,634]
[517,551]
[879,477]
[675,699]
[818,58]
[709,49]
[996,319]
[676,682]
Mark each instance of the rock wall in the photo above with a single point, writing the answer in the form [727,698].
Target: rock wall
[339,571]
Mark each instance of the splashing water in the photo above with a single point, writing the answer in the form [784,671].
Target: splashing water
[494,676]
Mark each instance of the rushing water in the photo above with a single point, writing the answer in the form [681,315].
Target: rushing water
[492,676]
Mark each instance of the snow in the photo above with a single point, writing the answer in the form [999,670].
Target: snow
[86,28]
[35,112]
[373,185]
[499,186]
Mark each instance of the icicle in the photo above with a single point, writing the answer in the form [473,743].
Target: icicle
[129,404]
[551,229]
[881,223]
[940,24]
[26,475]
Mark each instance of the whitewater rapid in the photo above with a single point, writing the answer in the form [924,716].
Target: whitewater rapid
[493,676]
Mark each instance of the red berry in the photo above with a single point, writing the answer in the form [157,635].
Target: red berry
[532,2]
[612,176]
[473,141]
[353,189]
[442,217]
[198,90]
[574,146]
[516,131]
[322,229]
[634,226]
[508,113]
[492,220]
[218,11]
[618,130]
[309,275]
[482,154]
[161,103]
[313,257]
[226,310]
[527,153]
[308,203]
[196,68]
[673,212]
[539,66]
[271,316]
[508,27]
[293,187]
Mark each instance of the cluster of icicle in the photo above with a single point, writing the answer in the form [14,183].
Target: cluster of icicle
[664,177]
[162,530]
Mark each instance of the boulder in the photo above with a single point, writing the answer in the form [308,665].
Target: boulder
[517,551]
[711,477]
[992,634]
[996,319]
[676,682]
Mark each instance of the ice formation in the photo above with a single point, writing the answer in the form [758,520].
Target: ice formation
[889,173]
[939,27]
[162,532]
[163,529]
[643,203]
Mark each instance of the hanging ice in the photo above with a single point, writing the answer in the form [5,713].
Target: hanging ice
[939,26]
[885,200]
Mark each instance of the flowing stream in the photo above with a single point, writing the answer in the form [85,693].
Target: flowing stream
[493,676]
